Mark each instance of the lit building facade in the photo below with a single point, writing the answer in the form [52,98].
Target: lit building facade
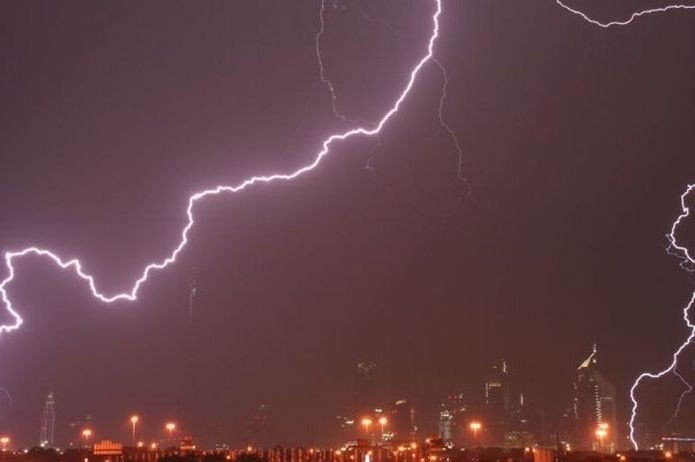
[48,422]
[594,408]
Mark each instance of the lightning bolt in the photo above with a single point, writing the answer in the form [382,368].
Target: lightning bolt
[447,127]
[322,70]
[688,389]
[334,96]
[627,21]
[684,254]
[76,266]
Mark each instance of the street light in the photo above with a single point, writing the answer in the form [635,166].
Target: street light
[5,440]
[171,426]
[133,420]
[475,427]
[601,432]
[383,421]
[86,433]
[366,423]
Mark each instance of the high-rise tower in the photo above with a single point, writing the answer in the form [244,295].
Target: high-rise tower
[365,393]
[48,422]
[594,407]
[497,402]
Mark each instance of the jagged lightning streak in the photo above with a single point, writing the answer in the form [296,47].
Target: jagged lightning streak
[686,260]
[76,266]
[627,21]
[688,389]
[685,212]
[447,127]
[322,71]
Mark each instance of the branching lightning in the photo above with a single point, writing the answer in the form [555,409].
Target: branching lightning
[76,265]
[672,367]
[447,127]
[686,260]
[334,97]
[627,21]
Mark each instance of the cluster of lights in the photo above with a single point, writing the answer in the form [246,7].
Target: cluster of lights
[87,433]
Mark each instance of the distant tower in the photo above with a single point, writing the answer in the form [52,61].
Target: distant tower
[498,402]
[445,423]
[48,422]
[594,405]
[365,396]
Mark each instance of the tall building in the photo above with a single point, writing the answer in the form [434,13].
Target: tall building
[445,424]
[258,433]
[365,391]
[452,416]
[594,407]
[48,422]
[497,403]
[402,417]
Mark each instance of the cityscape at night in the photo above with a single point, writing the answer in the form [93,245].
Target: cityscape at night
[347,231]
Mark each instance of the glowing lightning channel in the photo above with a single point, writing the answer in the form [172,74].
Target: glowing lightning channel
[334,96]
[131,295]
[685,212]
[322,71]
[447,127]
[686,260]
[627,21]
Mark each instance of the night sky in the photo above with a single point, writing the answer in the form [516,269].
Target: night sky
[578,143]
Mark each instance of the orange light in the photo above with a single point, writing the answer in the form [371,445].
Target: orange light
[86,432]
[140,444]
[413,445]
[171,426]
[134,419]
[475,426]
[383,420]
[668,454]
[601,432]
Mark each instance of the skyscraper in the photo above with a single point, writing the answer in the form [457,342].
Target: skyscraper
[48,421]
[365,393]
[497,403]
[452,416]
[594,407]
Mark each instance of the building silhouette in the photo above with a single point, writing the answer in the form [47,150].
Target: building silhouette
[452,415]
[365,392]
[594,407]
[48,422]
[497,403]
